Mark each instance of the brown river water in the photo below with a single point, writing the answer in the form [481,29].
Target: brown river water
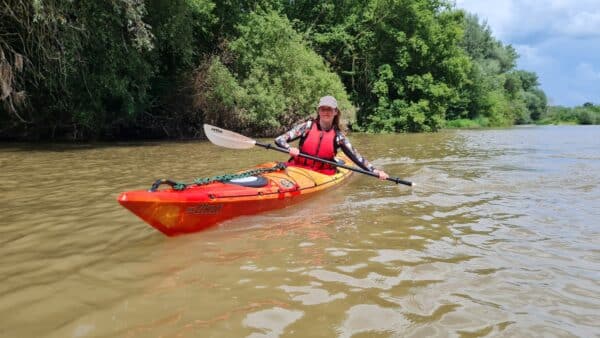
[501,237]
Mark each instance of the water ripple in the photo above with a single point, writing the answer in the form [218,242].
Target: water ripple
[499,238]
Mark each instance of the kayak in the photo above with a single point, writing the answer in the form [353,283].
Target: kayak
[176,210]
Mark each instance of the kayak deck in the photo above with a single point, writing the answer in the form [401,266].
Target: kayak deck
[198,207]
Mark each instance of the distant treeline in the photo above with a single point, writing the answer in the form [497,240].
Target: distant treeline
[161,68]
[588,113]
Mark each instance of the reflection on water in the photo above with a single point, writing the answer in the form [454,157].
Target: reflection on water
[499,237]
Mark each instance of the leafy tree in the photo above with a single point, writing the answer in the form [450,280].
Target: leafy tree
[537,103]
[85,62]
[588,113]
[154,67]
[282,76]
[35,41]
[493,66]
[399,59]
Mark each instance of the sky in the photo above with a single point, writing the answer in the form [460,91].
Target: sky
[559,40]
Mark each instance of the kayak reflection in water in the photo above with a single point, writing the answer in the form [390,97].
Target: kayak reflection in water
[323,137]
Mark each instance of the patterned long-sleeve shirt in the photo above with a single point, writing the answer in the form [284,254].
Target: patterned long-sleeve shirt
[341,142]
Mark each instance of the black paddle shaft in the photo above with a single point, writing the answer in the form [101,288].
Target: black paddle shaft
[393,179]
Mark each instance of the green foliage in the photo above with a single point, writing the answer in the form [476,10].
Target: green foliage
[283,77]
[182,38]
[587,113]
[112,82]
[536,102]
[477,40]
[496,90]
[154,67]
[36,39]
[499,113]
[92,67]
[219,95]
[480,122]
[399,59]
[529,80]
[178,34]
[230,13]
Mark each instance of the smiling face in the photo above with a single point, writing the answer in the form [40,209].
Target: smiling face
[327,115]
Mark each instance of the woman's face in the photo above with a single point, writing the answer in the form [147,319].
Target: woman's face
[327,114]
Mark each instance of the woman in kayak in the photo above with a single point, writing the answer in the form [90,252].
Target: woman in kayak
[322,137]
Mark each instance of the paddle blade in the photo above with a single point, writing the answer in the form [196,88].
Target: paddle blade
[227,139]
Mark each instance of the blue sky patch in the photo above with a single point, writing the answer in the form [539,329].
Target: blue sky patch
[557,39]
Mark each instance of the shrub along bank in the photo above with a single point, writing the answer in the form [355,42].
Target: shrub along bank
[161,68]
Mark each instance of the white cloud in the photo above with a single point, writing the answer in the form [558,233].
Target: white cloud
[521,20]
[533,56]
[586,71]
[497,14]
[581,25]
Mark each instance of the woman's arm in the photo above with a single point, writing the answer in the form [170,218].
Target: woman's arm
[349,150]
[292,134]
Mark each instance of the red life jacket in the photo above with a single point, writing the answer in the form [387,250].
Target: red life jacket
[318,143]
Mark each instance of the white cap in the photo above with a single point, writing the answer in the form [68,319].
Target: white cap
[328,101]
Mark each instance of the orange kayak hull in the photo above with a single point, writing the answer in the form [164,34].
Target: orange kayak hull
[198,207]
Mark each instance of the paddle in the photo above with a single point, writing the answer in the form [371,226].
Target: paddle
[229,139]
